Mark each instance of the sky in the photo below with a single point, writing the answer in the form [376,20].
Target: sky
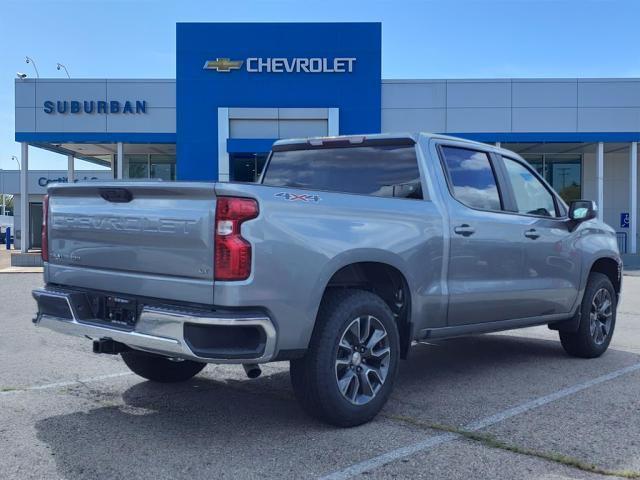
[420,39]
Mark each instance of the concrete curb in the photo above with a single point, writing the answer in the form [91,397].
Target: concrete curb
[22,270]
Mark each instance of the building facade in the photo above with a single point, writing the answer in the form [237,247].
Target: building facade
[37,182]
[239,87]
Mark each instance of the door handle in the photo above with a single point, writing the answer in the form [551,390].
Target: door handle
[464,230]
[532,234]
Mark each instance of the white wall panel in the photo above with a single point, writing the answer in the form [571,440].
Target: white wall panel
[70,90]
[59,122]
[157,93]
[413,120]
[544,120]
[254,113]
[479,93]
[25,95]
[156,120]
[302,128]
[609,119]
[544,93]
[25,119]
[303,113]
[414,95]
[253,128]
[38,178]
[610,93]
[478,120]
[616,185]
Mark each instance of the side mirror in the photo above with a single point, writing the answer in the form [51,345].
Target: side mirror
[583,210]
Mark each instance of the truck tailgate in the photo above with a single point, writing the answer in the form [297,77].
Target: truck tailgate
[134,237]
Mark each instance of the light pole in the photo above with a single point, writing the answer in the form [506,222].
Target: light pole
[30,60]
[17,161]
[62,66]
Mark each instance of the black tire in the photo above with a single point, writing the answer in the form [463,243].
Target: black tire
[582,343]
[315,376]
[160,369]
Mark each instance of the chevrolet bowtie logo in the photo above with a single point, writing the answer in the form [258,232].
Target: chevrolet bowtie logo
[223,64]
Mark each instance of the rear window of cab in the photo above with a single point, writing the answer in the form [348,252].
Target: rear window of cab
[377,170]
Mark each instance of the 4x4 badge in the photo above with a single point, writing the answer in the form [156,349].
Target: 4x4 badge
[298,197]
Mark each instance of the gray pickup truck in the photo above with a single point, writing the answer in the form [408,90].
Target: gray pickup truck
[348,251]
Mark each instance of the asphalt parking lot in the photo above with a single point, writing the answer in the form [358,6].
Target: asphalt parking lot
[494,406]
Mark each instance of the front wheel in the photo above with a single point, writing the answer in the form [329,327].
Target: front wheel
[161,369]
[348,372]
[597,321]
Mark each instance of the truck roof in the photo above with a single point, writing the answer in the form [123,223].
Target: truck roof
[329,141]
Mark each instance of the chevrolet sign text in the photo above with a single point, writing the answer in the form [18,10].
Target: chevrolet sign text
[283,65]
[297,65]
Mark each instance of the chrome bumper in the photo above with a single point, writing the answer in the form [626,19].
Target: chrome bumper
[158,329]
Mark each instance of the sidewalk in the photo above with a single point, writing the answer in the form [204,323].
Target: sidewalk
[631,264]
[5,257]
[21,270]
[5,264]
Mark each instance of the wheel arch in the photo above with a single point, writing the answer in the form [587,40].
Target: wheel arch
[606,265]
[383,276]
[610,267]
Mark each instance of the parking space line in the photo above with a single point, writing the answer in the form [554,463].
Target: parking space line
[432,442]
[64,384]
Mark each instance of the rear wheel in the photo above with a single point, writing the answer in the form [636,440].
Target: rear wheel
[347,374]
[161,369]
[597,321]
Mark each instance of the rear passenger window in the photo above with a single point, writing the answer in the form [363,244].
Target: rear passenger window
[472,178]
[532,197]
[378,170]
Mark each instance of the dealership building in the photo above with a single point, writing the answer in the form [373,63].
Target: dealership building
[241,86]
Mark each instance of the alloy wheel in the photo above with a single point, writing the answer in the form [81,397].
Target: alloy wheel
[601,316]
[362,360]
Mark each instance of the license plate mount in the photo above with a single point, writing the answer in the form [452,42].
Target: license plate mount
[120,311]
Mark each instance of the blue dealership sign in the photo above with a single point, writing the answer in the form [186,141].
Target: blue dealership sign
[94,106]
[271,65]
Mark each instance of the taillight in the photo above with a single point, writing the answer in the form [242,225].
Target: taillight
[232,252]
[45,233]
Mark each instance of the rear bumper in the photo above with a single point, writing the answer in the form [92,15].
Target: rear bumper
[202,335]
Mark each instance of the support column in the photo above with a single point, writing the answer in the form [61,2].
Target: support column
[120,161]
[24,197]
[633,197]
[600,180]
[71,172]
[4,206]
[499,144]
[333,122]
[223,134]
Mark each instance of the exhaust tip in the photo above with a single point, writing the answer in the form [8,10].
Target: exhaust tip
[252,370]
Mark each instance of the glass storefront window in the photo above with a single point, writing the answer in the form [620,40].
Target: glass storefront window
[247,167]
[562,171]
[150,165]
[138,166]
[163,166]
